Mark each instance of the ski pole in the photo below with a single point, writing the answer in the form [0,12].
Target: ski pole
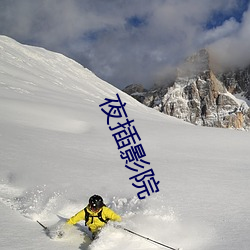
[45,228]
[150,239]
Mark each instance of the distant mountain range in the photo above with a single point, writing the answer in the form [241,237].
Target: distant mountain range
[202,94]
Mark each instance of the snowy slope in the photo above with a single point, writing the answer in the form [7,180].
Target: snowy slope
[57,150]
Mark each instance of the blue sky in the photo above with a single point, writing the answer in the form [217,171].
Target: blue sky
[218,17]
[131,41]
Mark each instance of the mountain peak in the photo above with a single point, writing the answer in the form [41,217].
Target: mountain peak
[197,64]
[200,96]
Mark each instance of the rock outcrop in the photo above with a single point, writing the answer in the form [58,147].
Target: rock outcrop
[199,96]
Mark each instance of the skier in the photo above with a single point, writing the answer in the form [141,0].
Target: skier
[95,214]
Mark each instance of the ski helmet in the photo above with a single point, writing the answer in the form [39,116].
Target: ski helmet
[96,202]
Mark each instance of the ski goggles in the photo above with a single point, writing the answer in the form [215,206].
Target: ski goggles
[94,208]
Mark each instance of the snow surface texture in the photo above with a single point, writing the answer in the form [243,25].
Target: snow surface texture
[57,150]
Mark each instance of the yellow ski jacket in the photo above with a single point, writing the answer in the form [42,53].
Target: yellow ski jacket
[94,223]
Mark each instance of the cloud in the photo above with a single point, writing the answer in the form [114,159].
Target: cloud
[129,41]
[228,28]
[233,49]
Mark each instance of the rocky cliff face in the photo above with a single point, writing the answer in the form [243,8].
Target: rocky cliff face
[199,96]
[237,81]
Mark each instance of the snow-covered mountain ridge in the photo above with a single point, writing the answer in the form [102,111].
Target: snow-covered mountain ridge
[56,150]
[201,96]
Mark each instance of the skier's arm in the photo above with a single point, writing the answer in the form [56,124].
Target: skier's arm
[110,214]
[77,217]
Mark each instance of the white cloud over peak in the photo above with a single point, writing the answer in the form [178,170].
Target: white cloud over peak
[126,41]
